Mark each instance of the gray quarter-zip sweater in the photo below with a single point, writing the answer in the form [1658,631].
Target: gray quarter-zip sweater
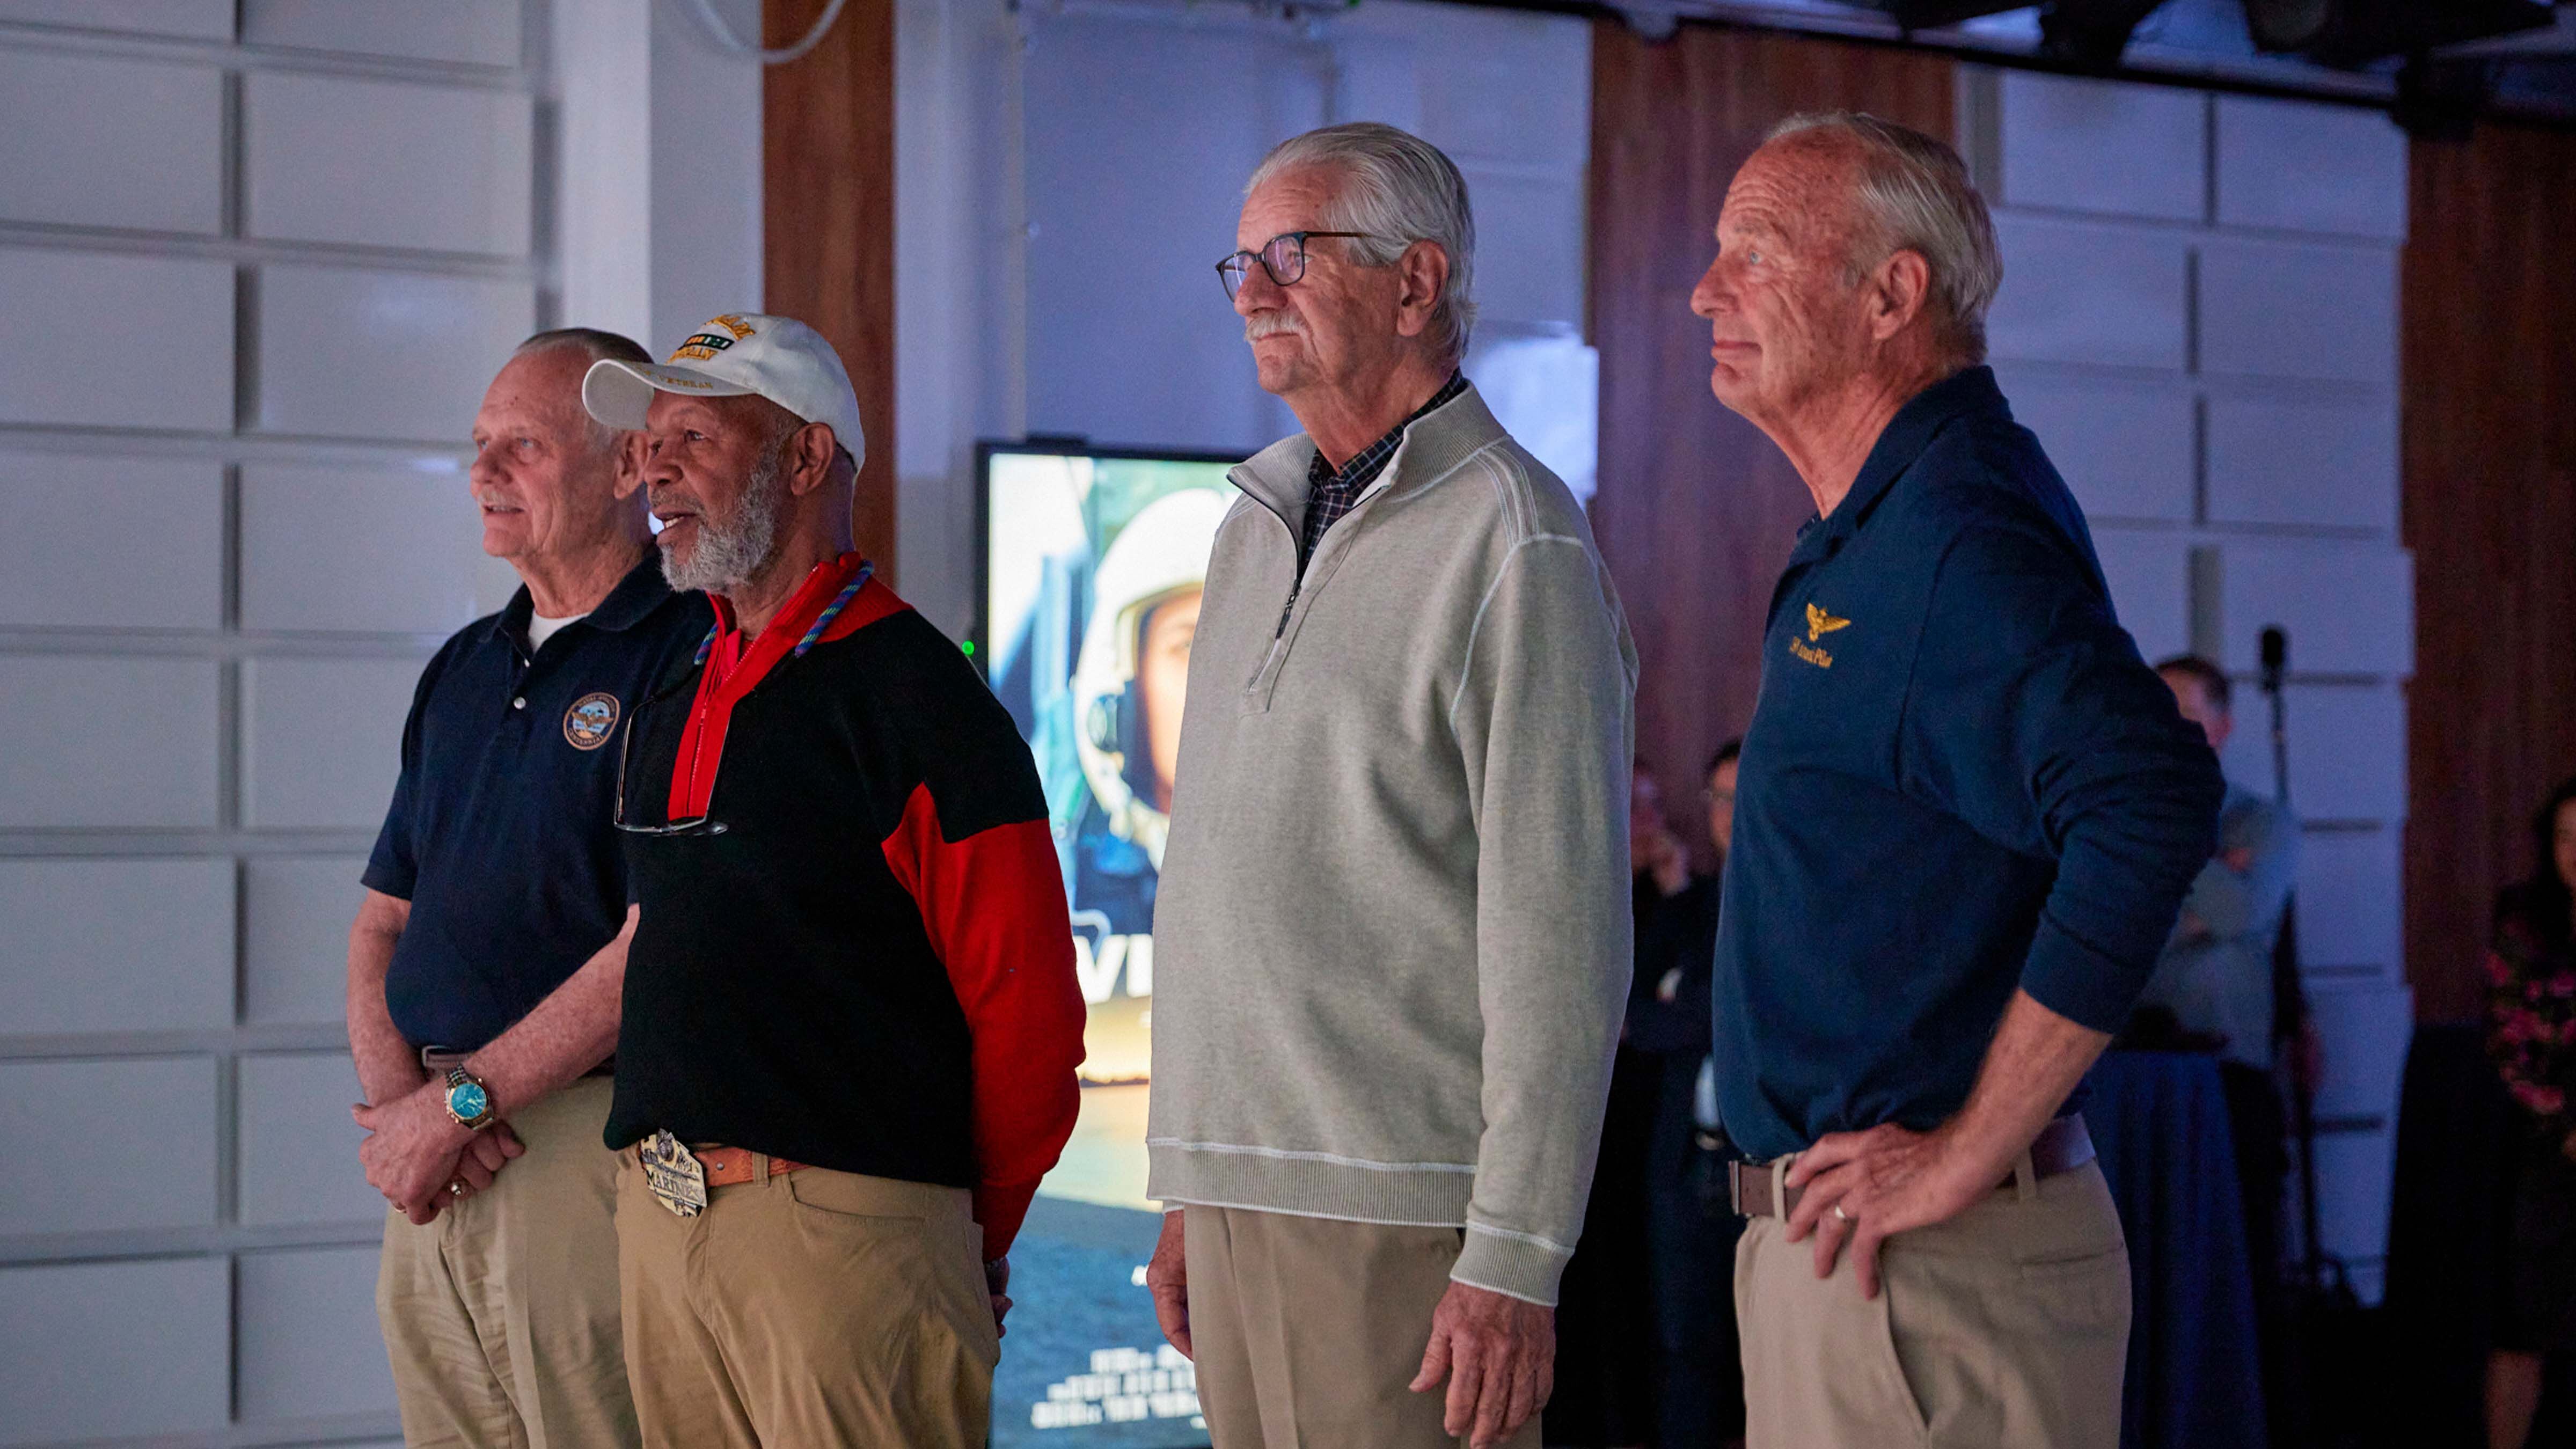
[1392,936]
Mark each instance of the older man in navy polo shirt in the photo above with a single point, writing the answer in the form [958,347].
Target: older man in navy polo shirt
[1965,821]
[488,956]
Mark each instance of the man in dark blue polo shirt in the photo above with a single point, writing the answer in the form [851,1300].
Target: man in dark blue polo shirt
[489,953]
[1966,817]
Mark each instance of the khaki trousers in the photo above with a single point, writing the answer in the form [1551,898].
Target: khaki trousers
[1305,1331]
[811,1310]
[2006,1327]
[500,1314]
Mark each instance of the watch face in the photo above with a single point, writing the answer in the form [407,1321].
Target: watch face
[468,1101]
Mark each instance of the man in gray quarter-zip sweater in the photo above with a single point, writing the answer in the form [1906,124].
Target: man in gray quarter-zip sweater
[1393,928]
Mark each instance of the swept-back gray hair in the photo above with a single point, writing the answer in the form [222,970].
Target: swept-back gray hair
[1398,189]
[1916,196]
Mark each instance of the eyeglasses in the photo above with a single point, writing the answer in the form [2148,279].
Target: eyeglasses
[1283,257]
[700,825]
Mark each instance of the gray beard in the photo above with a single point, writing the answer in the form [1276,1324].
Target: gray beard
[733,553]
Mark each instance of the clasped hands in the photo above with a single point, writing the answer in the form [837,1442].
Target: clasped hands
[415,1153]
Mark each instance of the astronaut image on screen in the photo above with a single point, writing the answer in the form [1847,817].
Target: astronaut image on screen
[1128,686]
[1094,570]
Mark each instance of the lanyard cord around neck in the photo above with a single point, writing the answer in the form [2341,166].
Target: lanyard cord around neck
[822,621]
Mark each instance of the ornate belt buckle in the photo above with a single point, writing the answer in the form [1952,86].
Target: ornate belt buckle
[673,1175]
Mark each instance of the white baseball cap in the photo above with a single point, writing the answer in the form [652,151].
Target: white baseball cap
[737,354]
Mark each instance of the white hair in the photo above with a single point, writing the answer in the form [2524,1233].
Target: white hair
[594,345]
[1397,189]
[1916,196]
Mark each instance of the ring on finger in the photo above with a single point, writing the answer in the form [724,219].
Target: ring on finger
[1839,1215]
[456,1188]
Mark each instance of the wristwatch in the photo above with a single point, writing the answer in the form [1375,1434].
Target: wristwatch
[467,1101]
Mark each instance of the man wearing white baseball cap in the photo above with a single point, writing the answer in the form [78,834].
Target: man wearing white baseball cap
[851,1022]
[739,355]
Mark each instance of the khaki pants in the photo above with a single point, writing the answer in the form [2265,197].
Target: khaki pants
[2006,1327]
[811,1310]
[1305,1331]
[500,1314]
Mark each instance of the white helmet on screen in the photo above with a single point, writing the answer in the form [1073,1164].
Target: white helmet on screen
[1160,555]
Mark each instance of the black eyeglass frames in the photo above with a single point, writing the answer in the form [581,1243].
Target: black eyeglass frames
[697,825]
[1283,257]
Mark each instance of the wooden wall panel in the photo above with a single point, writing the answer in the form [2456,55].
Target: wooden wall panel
[827,177]
[2489,436]
[1697,510]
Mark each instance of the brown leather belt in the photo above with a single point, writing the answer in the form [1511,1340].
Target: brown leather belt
[1758,1189]
[732,1166]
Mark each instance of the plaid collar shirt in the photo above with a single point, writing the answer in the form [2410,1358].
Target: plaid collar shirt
[1331,494]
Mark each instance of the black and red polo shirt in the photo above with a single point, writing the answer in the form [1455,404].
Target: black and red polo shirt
[861,959]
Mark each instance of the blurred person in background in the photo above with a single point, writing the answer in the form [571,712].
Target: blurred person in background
[2531,1035]
[488,955]
[2213,989]
[2215,974]
[1691,1228]
[1605,1389]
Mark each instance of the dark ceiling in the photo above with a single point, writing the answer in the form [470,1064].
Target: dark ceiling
[2405,55]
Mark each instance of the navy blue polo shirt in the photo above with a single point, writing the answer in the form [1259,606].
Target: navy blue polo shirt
[500,833]
[1960,779]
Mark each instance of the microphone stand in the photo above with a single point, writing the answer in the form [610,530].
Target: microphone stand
[2289,994]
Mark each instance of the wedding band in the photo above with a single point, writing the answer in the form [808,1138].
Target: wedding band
[1839,1215]
[456,1188]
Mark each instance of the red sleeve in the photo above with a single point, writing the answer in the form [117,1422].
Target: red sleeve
[994,906]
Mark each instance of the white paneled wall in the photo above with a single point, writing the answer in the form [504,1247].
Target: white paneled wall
[307,1336]
[260,259]
[1056,236]
[128,341]
[89,960]
[2199,319]
[318,740]
[314,144]
[293,942]
[110,742]
[338,548]
[157,155]
[351,352]
[161,518]
[116,1350]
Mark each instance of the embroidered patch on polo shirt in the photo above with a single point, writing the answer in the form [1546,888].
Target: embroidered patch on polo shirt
[590,721]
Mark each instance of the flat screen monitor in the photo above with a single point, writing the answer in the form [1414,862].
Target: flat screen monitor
[1091,563]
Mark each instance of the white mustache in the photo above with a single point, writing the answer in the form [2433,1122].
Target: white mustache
[1271,324]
